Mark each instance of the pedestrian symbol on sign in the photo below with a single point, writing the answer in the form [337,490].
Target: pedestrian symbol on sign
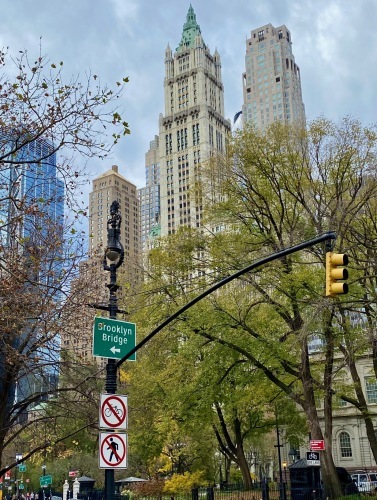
[113,450]
[113,446]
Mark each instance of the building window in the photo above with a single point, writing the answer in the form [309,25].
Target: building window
[345,445]
[371,389]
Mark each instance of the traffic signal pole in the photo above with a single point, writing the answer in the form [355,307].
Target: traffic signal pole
[331,235]
[113,258]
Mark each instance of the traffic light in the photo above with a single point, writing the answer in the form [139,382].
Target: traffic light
[336,274]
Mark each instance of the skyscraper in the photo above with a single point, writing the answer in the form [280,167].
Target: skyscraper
[31,181]
[192,127]
[31,214]
[108,187]
[271,82]
[149,195]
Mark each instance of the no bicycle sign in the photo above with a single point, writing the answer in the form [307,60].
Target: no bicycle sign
[113,413]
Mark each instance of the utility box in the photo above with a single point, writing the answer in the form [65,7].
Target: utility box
[306,481]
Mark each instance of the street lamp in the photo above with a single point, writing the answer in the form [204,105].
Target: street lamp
[293,454]
[113,258]
[44,473]
[285,471]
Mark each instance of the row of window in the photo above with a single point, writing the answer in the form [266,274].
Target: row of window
[182,139]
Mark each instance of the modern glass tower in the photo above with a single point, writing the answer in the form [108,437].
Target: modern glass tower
[192,128]
[32,183]
[32,214]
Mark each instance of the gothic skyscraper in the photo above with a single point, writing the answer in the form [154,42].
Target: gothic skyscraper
[192,127]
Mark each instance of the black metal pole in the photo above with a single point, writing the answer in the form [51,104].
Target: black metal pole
[330,235]
[111,378]
[282,492]
[115,254]
[16,482]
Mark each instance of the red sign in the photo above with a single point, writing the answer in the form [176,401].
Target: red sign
[72,473]
[317,445]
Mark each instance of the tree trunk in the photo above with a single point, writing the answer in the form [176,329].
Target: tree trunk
[330,477]
[233,449]
[245,471]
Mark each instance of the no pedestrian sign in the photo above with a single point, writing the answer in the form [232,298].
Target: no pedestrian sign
[113,450]
[113,338]
[113,412]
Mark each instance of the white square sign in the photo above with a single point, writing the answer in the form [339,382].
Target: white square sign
[113,450]
[113,412]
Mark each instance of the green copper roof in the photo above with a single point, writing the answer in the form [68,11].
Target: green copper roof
[155,231]
[191,30]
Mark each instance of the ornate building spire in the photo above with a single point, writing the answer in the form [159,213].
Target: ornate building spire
[191,30]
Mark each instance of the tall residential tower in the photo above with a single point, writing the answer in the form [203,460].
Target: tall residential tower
[271,82]
[108,187]
[192,127]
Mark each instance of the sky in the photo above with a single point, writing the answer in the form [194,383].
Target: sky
[334,44]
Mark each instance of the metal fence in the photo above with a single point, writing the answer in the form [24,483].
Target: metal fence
[259,491]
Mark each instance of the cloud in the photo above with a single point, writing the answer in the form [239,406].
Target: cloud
[334,43]
[126,13]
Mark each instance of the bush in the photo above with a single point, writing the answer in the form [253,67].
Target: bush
[151,488]
[183,483]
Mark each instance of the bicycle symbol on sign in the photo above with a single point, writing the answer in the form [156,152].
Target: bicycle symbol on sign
[313,456]
[110,410]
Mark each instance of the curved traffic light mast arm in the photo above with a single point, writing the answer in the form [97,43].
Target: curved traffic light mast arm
[331,235]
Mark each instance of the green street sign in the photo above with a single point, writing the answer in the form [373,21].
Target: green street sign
[113,338]
[21,486]
[45,480]
[22,468]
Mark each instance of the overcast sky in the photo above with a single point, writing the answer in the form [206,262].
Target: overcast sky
[334,44]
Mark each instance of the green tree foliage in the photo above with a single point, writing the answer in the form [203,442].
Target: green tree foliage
[281,187]
[274,189]
[196,397]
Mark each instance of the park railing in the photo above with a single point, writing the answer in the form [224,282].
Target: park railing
[259,491]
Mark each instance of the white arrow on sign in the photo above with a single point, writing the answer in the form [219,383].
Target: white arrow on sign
[114,349]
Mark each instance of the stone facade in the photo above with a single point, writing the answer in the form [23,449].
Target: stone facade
[271,82]
[192,127]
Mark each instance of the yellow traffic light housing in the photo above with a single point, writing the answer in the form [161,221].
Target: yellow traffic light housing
[336,274]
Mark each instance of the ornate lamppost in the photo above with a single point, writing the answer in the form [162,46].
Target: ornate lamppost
[113,258]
